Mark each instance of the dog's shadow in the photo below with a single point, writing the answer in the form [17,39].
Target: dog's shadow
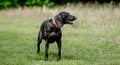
[53,56]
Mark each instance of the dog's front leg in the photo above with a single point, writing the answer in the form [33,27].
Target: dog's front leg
[46,50]
[59,49]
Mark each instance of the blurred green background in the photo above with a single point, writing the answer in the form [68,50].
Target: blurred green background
[49,3]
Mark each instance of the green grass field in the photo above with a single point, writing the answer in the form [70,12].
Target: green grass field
[94,39]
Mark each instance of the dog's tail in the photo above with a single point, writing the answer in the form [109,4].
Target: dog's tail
[40,36]
[39,41]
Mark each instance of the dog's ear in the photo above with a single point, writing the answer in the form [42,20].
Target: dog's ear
[62,15]
[58,17]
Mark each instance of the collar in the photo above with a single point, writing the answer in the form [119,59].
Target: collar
[54,23]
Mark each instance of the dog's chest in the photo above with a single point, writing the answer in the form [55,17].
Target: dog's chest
[53,35]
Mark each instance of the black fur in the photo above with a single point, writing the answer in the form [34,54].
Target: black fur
[51,34]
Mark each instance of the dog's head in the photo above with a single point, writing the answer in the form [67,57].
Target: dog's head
[67,18]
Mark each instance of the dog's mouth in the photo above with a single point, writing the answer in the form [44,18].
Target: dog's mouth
[70,22]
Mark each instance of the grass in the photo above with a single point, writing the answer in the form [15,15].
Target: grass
[94,39]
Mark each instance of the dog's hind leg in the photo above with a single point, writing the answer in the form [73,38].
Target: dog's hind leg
[39,41]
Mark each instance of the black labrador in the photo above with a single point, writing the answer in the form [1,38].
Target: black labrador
[50,31]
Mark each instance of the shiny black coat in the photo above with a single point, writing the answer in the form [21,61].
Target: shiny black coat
[50,33]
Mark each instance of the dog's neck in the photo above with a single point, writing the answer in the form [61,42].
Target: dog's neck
[55,24]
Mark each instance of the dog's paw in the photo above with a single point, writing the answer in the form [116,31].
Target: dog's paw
[46,59]
[58,59]
[38,52]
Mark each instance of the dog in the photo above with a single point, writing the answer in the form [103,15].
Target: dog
[50,31]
